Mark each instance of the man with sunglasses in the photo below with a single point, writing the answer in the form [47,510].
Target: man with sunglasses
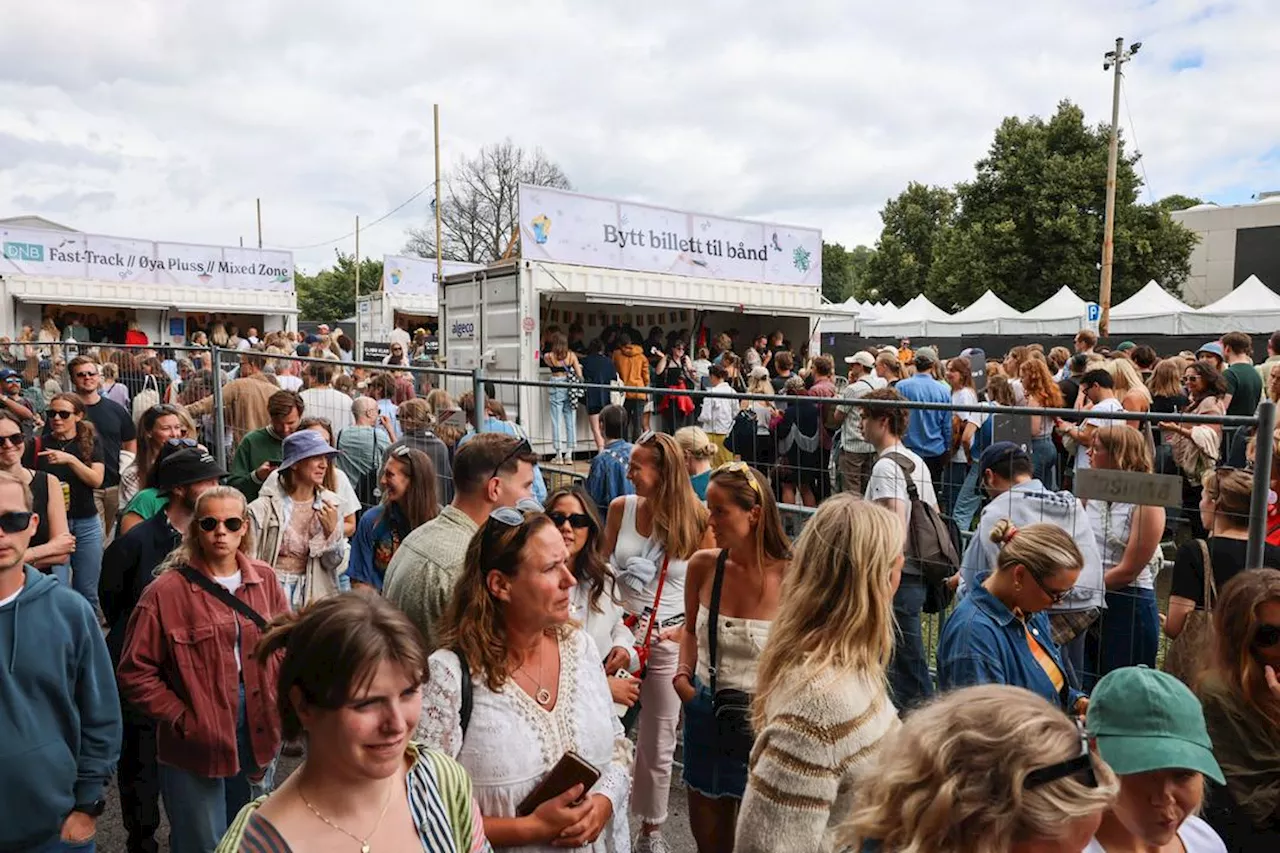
[127,568]
[490,471]
[61,713]
[18,406]
[116,430]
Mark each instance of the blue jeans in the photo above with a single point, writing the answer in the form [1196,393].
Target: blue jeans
[1130,629]
[1044,461]
[86,560]
[208,806]
[564,427]
[57,845]
[968,501]
[910,682]
[952,480]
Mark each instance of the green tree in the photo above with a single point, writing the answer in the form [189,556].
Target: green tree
[914,223]
[859,260]
[837,279]
[1031,220]
[1176,202]
[330,294]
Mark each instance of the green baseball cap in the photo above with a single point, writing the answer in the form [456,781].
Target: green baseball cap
[1143,720]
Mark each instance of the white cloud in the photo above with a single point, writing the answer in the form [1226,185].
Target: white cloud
[166,120]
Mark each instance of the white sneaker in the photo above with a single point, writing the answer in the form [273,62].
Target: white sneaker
[651,843]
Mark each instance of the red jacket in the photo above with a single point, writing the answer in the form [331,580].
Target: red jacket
[135,337]
[179,668]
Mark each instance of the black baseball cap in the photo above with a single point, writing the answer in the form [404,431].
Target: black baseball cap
[1001,452]
[185,466]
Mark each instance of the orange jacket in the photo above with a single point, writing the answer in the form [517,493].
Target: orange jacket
[633,368]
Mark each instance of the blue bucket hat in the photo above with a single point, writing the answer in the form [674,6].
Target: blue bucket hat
[1213,348]
[304,444]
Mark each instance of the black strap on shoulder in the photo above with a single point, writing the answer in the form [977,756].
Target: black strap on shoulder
[224,595]
[713,623]
[468,697]
[908,468]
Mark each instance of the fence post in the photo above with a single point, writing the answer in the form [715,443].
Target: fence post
[477,391]
[1261,485]
[219,415]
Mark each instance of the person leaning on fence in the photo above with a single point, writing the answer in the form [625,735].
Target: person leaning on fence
[999,633]
[416,422]
[490,471]
[607,476]
[245,400]
[259,452]
[408,483]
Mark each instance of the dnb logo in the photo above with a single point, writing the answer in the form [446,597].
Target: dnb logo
[462,330]
[24,252]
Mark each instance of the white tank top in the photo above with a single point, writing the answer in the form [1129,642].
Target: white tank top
[631,544]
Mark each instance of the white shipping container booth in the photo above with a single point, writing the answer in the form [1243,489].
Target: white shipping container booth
[494,318]
[408,294]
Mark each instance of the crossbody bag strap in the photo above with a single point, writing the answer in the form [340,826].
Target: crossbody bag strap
[657,600]
[908,469]
[1210,586]
[713,620]
[468,691]
[222,594]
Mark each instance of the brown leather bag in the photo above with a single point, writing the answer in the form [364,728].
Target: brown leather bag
[1187,654]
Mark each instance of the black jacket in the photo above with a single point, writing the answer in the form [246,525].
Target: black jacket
[127,567]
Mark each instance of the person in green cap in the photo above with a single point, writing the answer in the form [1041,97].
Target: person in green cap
[1149,728]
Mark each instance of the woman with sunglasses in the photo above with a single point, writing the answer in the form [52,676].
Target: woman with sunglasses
[52,545]
[72,452]
[734,590]
[988,768]
[999,633]
[188,664]
[1240,692]
[150,500]
[157,425]
[408,484]
[1196,447]
[650,537]
[536,692]
[297,522]
[596,604]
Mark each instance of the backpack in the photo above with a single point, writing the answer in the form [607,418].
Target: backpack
[930,542]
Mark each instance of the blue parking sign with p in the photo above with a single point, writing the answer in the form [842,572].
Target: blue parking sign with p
[1095,311]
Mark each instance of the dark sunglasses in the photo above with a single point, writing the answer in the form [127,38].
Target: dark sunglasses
[1080,767]
[522,448]
[15,522]
[60,414]
[577,520]
[182,442]
[1266,637]
[209,524]
[85,374]
[15,440]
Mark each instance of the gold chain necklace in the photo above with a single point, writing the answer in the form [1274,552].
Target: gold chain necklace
[363,842]
[541,695]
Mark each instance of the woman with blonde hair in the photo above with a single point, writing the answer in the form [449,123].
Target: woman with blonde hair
[985,769]
[1130,390]
[734,590]
[823,669]
[698,451]
[650,537]
[1041,392]
[889,368]
[1128,537]
[441,405]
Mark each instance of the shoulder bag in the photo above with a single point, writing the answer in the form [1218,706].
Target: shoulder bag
[1185,656]
[221,593]
[732,708]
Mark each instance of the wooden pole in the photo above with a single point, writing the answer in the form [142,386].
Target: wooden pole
[435,113]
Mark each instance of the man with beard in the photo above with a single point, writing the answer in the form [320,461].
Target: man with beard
[127,568]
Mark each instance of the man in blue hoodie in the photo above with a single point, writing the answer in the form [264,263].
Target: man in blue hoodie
[59,711]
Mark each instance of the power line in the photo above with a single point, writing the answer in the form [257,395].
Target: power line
[375,222]
[1142,161]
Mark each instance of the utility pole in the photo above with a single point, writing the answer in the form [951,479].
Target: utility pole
[435,112]
[258,202]
[1112,59]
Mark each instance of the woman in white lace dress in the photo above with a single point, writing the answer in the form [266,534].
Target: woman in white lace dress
[537,692]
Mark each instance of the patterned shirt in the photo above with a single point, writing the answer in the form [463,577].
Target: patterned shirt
[378,537]
[421,574]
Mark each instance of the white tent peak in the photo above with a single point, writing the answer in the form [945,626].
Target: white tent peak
[1152,300]
[1251,297]
[987,307]
[1065,303]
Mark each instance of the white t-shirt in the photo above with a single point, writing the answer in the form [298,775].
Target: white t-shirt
[887,482]
[231,583]
[9,599]
[966,397]
[1196,836]
[328,402]
[288,382]
[1111,404]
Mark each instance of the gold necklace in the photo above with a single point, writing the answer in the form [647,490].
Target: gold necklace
[541,694]
[363,842]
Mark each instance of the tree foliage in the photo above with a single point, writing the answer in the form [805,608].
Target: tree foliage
[479,214]
[1174,203]
[913,224]
[330,294]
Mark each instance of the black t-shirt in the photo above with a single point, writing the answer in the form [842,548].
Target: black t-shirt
[1227,557]
[81,502]
[114,427]
[1070,391]
[1169,405]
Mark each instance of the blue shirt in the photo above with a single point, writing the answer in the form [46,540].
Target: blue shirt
[607,478]
[928,430]
[984,643]
[376,539]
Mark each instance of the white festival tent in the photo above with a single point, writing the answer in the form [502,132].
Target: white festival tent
[1252,307]
[1064,313]
[860,313]
[982,317]
[911,320]
[1150,311]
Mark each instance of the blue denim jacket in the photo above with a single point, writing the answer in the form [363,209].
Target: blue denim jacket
[984,643]
[608,476]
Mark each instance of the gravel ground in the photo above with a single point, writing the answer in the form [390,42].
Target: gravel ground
[111,836]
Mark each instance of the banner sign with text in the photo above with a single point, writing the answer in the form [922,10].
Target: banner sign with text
[70,254]
[402,274]
[570,228]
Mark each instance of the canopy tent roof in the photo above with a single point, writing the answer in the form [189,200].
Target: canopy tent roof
[1152,299]
[982,317]
[1252,307]
[1060,314]
[913,318]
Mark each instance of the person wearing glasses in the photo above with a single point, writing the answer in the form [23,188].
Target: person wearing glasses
[597,602]
[1197,447]
[52,544]
[157,425]
[650,537]
[490,471]
[115,430]
[1240,693]
[1149,728]
[298,523]
[188,665]
[991,767]
[148,502]
[999,633]
[128,566]
[72,452]
[408,484]
[733,589]
[537,691]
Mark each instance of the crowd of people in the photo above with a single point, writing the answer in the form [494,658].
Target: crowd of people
[468,652]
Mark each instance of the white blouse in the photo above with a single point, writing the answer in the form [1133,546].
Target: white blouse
[1112,525]
[512,742]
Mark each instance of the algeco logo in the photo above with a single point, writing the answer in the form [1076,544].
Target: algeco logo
[24,252]
[462,330]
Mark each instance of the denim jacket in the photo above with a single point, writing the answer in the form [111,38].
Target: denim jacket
[984,643]
[608,476]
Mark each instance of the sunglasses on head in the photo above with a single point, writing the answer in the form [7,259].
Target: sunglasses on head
[1080,767]
[739,467]
[1266,637]
[522,448]
[61,413]
[15,522]
[15,440]
[209,523]
[182,442]
[577,520]
[513,516]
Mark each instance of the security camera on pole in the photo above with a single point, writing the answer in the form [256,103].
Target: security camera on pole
[1112,59]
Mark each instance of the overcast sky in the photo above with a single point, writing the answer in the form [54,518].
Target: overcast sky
[165,120]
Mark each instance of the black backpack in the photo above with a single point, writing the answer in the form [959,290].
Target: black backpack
[931,542]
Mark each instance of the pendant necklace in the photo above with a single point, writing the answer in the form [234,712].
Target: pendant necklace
[542,695]
[363,842]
